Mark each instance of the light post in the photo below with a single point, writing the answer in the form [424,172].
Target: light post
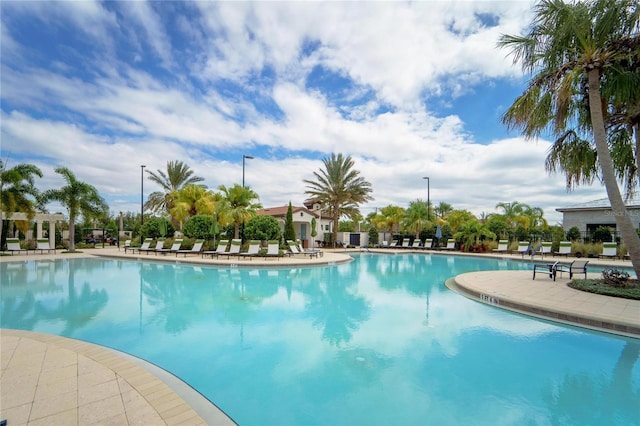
[245,157]
[428,199]
[142,194]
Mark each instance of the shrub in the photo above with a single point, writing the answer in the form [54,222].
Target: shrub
[602,234]
[262,228]
[198,227]
[573,234]
[151,228]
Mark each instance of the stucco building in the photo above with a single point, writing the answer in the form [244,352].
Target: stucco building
[589,216]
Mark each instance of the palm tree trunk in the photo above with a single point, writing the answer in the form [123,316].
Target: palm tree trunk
[623,220]
[72,234]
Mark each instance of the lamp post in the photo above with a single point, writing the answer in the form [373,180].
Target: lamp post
[428,200]
[245,157]
[142,194]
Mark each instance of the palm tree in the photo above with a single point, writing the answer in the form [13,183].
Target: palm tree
[390,218]
[17,185]
[442,209]
[79,198]
[339,188]
[177,176]
[572,47]
[415,218]
[240,205]
[192,200]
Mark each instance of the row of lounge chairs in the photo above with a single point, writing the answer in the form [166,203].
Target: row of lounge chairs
[417,244]
[609,249]
[225,248]
[42,245]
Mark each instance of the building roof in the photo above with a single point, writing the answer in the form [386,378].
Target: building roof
[601,204]
[282,211]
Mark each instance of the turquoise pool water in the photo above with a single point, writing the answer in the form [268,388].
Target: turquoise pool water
[378,341]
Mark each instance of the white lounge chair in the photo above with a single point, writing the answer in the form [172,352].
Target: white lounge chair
[564,249]
[294,249]
[503,246]
[221,249]
[609,250]
[405,243]
[13,245]
[416,243]
[43,245]
[252,250]
[523,247]
[575,267]
[234,248]
[545,248]
[159,246]
[451,244]
[196,249]
[177,243]
[427,243]
[273,249]
[146,244]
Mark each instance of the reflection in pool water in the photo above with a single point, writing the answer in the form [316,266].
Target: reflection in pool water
[380,340]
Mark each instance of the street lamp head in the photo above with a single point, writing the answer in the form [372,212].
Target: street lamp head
[248,157]
[426,177]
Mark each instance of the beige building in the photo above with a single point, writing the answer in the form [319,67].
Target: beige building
[302,217]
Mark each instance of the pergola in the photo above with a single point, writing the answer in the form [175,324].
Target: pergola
[39,218]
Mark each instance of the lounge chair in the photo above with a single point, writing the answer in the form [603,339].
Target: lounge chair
[221,249]
[159,246]
[196,249]
[405,243]
[234,248]
[427,243]
[547,268]
[503,246]
[43,245]
[393,244]
[144,247]
[126,245]
[273,249]
[294,249]
[13,245]
[523,248]
[177,243]
[252,250]
[385,244]
[416,244]
[609,250]
[451,244]
[575,267]
[545,248]
[564,250]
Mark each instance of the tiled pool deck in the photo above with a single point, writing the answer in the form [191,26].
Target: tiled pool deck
[53,380]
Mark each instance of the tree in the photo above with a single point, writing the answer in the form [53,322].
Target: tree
[443,209]
[79,198]
[191,200]
[263,228]
[390,218]
[289,231]
[18,192]
[339,188]
[415,218]
[572,48]
[177,176]
[240,206]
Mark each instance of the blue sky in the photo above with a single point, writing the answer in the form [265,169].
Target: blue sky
[407,89]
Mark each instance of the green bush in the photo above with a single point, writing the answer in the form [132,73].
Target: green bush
[573,234]
[262,228]
[198,227]
[602,234]
[152,228]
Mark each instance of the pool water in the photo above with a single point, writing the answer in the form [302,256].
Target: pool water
[378,341]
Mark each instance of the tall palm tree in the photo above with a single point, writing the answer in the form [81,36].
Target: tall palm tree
[177,176]
[415,217]
[18,192]
[79,198]
[192,200]
[570,47]
[339,188]
[239,207]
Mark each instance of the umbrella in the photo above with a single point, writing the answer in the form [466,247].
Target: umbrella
[438,232]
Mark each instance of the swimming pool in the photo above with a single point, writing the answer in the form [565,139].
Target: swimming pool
[379,340]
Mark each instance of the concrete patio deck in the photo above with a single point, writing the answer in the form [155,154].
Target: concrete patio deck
[53,380]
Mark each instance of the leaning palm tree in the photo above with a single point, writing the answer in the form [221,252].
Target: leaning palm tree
[79,198]
[570,47]
[239,206]
[177,176]
[18,192]
[339,189]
